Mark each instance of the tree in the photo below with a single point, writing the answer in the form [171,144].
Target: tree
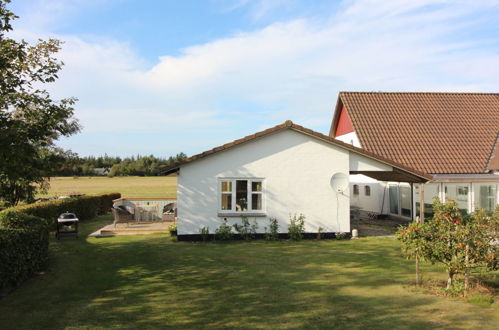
[30,120]
[461,243]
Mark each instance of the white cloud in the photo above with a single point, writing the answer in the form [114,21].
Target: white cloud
[287,70]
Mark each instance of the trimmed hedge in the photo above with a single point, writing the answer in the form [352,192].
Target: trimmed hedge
[85,208]
[10,219]
[24,233]
[22,253]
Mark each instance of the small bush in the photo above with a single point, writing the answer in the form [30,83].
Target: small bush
[273,234]
[340,236]
[224,232]
[22,253]
[205,233]
[246,230]
[296,227]
[456,289]
[173,229]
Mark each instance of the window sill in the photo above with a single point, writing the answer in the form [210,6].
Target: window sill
[236,214]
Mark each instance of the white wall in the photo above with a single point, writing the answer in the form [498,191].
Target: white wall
[297,170]
[379,201]
[371,203]
[350,138]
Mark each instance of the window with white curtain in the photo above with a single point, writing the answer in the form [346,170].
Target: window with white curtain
[485,196]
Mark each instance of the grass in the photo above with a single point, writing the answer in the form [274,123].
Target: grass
[128,186]
[151,281]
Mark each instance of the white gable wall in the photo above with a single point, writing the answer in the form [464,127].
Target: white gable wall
[350,138]
[297,170]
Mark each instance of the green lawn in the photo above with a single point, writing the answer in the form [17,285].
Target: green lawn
[128,186]
[150,281]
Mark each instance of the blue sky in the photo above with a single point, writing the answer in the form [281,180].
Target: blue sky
[160,77]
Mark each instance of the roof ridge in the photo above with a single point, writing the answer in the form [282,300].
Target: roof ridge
[427,92]
[288,124]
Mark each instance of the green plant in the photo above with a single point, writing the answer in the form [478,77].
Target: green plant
[30,119]
[205,233]
[246,230]
[482,300]
[340,236]
[456,289]
[224,232]
[173,229]
[11,219]
[460,243]
[273,233]
[296,227]
[23,251]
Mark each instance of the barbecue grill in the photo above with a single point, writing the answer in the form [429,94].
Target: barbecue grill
[67,225]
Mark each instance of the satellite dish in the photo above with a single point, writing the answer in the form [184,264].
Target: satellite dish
[339,182]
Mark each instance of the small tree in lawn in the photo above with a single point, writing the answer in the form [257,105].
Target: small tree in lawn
[461,243]
[477,240]
[414,243]
[444,235]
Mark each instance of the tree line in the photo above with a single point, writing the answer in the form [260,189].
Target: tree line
[70,164]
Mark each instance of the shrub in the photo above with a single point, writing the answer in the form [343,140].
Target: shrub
[273,234]
[205,233]
[173,229]
[340,236]
[224,232]
[22,253]
[11,219]
[246,230]
[85,207]
[296,227]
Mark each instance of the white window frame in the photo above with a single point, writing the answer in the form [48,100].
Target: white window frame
[250,210]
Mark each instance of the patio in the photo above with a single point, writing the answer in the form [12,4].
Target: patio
[134,216]
[135,228]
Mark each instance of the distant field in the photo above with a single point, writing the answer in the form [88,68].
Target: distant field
[128,186]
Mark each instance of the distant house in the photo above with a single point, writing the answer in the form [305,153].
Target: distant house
[451,136]
[275,173]
[101,171]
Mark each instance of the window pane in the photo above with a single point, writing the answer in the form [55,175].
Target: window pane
[226,186]
[393,192]
[355,189]
[241,195]
[458,193]
[485,197]
[256,201]
[430,191]
[226,202]
[367,190]
[405,201]
[256,186]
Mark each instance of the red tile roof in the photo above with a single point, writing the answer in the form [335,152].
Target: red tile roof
[431,132]
[403,172]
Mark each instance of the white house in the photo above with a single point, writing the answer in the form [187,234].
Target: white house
[451,136]
[281,171]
